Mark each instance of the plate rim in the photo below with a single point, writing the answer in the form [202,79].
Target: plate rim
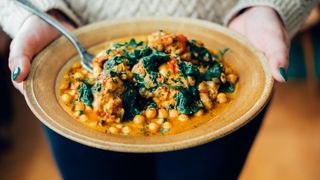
[149,148]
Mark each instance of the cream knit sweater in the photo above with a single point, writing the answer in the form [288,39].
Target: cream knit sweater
[292,12]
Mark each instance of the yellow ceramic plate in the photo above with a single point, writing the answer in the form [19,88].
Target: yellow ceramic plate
[254,86]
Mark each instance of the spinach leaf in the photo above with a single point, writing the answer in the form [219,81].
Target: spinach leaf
[151,82]
[139,79]
[152,104]
[85,94]
[214,70]
[188,69]
[135,55]
[188,100]
[152,62]
[132,42]
[170,86]
[226,87]
[114,61]
[144,52]
[222,53]
[132,102]
[201,53]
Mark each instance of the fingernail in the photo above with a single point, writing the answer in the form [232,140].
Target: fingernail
[283,74]
[16,73]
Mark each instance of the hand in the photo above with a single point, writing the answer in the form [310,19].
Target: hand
[264,29]
[34,35]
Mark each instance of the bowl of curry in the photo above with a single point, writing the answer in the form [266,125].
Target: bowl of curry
[158,84]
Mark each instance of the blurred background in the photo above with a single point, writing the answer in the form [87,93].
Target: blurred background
[287,147]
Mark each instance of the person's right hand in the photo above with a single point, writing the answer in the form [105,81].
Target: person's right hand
[33,36]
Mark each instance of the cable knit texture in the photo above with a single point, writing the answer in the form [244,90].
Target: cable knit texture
[292,12]
[12,16]
[212,10]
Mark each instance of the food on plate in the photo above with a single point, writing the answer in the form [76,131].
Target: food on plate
[163,84]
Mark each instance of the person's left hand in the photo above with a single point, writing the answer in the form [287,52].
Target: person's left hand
[264,29]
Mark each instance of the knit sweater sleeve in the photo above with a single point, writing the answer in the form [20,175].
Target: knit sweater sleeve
[292,12]
[12,16]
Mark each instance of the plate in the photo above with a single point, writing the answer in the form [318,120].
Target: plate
[254,86]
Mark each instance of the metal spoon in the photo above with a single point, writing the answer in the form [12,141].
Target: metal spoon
[86,58]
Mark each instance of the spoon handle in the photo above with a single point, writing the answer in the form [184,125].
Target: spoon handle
[26,4]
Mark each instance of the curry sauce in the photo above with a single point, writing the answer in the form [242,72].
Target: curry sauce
[162,84]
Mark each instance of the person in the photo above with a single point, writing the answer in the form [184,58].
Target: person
[267,24]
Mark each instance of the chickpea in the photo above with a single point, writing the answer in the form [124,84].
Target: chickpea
[119,126]
[113,130]
[65,84]
[84,71]
[125,130]
[191,81]
[118,120]
[173,113]
[83,118]
[97,70]
[77,113]
[204,97]
[72,92]
[110,120]
[232,78]
[78,75]
[160,121]
[66,98]
[151,113]
[199,113]
[163,113]
[203,87]
[222,98]
[166,125]
[153,127]
[183,117]
[79,106]
[123,76]
[223,78]
[163,70]
[165,104]
[138,119]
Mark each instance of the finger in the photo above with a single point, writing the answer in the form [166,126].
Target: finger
[275,45]
[278,56]
[278,66]
[31,38]
[19,59]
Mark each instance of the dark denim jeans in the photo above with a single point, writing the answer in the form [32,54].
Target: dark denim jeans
[220,159]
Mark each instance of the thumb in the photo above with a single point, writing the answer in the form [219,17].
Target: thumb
[19,59]
[277,53]
[33,36]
